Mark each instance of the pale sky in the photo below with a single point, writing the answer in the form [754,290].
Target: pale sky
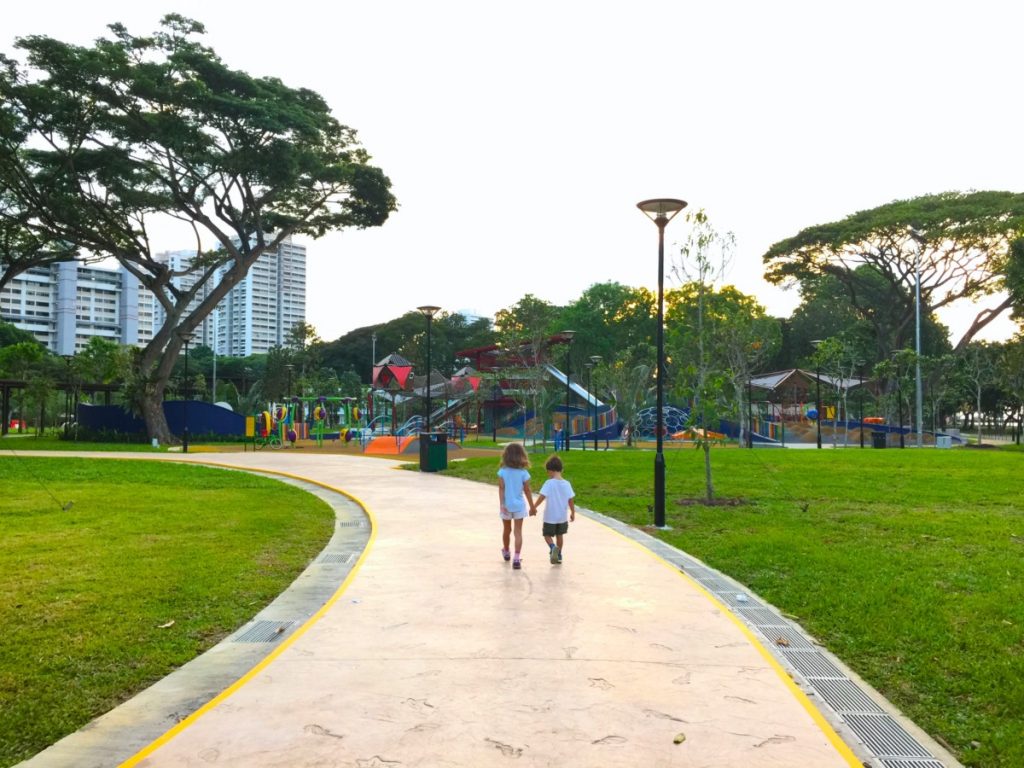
[520,136]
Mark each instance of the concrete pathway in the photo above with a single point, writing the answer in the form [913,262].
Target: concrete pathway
[434,652]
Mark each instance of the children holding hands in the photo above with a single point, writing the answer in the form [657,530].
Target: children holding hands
[516,500]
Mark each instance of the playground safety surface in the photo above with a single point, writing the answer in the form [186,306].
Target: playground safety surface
[433,651]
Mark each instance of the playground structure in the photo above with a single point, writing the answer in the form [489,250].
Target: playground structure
[504,407]
[784,409]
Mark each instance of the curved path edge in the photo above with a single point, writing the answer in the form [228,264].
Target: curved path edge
[125,734]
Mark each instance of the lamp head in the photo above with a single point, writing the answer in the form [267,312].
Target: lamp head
[567,335]
[595,359]
[915,234]
[661,210]
[428,311]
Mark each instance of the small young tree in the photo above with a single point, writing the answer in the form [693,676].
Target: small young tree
[841,359]
[627,379]
[524,331]
[703,258]
[977,365]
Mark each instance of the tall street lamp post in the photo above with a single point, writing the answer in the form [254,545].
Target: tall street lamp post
[428,312]
[567,335]
[919,240]
[661,212]
[289,368]
[594,360]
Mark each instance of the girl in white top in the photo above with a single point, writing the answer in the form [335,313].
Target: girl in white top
[514,498]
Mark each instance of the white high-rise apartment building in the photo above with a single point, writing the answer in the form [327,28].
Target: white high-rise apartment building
[259,311]
[64,305]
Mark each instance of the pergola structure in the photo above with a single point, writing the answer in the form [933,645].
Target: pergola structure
[787,393]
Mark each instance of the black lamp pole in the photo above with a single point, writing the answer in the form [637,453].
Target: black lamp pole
[188,392]
[750,414]
[817,386]
[594,360]
[428,312]
[660,211]
[861,403]
[67,397]
[568,362]
[589,368]
[495,394]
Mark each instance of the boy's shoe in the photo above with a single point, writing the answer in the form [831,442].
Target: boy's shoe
[516,565]
[506,554]
[556,556]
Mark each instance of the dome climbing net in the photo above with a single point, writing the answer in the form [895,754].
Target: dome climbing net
[675,421]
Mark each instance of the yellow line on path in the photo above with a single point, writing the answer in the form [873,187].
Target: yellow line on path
[248,676]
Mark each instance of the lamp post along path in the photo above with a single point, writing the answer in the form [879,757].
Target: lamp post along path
[568,361]
[428,312]
[594,360]
[661,211]
[918,412]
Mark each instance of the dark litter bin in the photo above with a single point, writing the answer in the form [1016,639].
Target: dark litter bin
[433,451]
[879,439]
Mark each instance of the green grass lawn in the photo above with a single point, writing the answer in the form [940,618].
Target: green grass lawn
[86,592]
[906,564]
[18,443]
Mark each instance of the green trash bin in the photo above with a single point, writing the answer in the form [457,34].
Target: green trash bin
[433,451]
[879,439]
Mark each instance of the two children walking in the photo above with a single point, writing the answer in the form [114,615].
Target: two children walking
[517,502]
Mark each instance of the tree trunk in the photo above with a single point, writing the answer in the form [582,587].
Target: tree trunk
[152,408]
[707,467]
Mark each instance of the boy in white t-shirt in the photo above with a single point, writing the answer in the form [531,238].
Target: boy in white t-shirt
[559,510]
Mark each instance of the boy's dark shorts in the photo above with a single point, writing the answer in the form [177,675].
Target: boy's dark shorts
[555,529]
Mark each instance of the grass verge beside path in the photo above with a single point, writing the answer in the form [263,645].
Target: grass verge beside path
[905,564]
[153,564]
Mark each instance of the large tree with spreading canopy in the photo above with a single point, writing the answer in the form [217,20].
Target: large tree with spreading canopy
[960,240]
[97,142]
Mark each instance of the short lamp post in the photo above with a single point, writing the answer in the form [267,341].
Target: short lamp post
[860,400]
[289,367]
[817,387]
[495,394]
[594,360]
[589,367]
[567,335]
[661,212]
[188,393]
[428,312]
[68,359]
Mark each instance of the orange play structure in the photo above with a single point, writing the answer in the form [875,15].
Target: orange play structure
[391,445]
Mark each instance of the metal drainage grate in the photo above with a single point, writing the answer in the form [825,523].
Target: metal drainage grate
[762,617]
[885,737]
[811,664]
[845,696]
[903,762]
[700,574]
[785,637]
[713,585]
[337,558]
[261,631]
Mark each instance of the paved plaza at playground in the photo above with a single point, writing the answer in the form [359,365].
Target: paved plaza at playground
[410,642]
